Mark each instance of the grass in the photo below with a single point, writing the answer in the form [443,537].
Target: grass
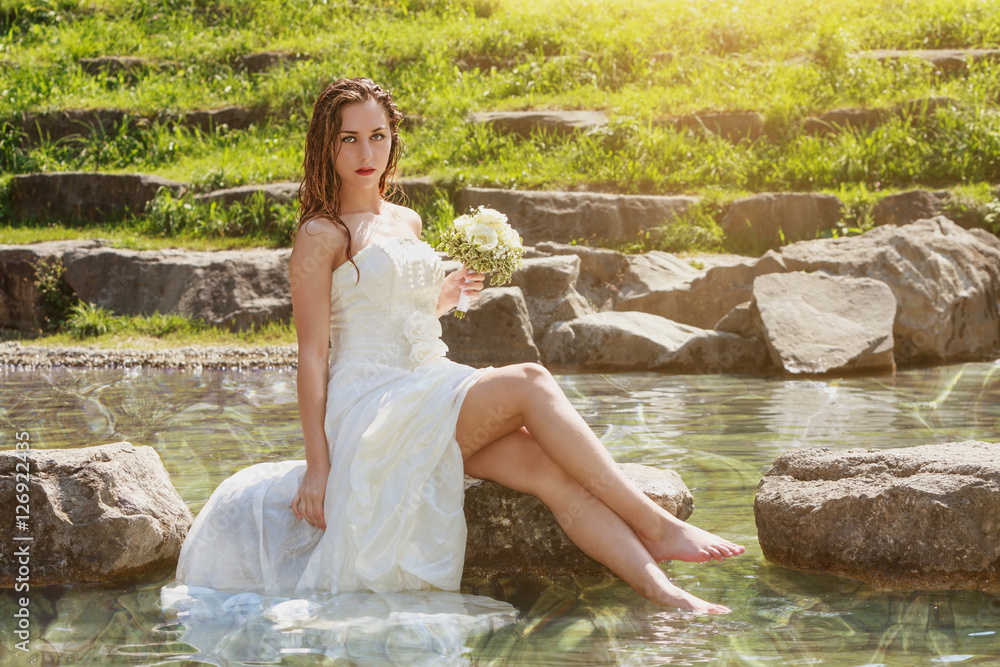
[98,327]
[638,60]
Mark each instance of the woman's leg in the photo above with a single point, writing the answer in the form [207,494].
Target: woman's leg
[525,395]
[517,461]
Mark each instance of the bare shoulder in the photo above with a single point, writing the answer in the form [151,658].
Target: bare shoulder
[407,216]
[320,240]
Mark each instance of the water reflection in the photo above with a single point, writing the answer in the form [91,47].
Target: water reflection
[720,432]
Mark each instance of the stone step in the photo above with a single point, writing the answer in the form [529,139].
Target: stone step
[80,195]
[949,62]
[526,123]
[868,119]
[128,67]
[567,216]
[56,125]
[255,63]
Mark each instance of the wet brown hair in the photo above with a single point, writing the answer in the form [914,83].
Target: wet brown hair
[319,192]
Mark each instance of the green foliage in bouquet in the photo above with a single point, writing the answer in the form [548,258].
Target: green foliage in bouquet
[484,241]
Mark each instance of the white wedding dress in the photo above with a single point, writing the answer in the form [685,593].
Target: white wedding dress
[394,498]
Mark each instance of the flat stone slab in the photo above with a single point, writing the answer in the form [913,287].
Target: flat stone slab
[949,61]
[512,533]
[104,513]
[731,125]
[526,123]
[914,517]
[868,119]
[567,216]
[255,63]
[55,125]
[282,192]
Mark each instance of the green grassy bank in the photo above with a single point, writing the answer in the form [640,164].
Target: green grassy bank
[638,60]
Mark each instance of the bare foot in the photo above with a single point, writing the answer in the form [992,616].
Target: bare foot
[682,541]
[664,592]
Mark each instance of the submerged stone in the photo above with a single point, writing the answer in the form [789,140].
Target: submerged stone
[104,513]
[914,517]
[513,533]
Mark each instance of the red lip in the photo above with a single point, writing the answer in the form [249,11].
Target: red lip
[365,171]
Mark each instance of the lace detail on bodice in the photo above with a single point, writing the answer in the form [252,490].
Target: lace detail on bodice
[388,317]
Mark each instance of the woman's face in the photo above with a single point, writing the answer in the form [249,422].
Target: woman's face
[364,144]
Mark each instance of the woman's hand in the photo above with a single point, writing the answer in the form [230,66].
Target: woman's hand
[464,280]
[308,501]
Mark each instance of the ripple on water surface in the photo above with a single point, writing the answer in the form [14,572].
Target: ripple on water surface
[719,432]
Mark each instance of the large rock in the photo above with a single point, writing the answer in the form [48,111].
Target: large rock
[526,123]
[549,288]
[814,323]
[651,275]
[79,195]
[612,341]
[20,300]
[601,271]
[514,534]
[102,513]
[569,216]
[946,281]
[238,289]
[914,518]
[701,301]
[771,219]
[495,331]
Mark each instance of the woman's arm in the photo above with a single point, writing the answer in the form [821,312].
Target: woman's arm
[455,282]
[310,272]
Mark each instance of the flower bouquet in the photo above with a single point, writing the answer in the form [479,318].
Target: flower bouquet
[484,242]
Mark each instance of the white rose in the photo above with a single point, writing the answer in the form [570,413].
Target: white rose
[491,218]
[462,223]
[511,239]
[426,352]
[483,236]
[420,328]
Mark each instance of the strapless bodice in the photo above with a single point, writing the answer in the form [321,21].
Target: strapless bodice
[387,314]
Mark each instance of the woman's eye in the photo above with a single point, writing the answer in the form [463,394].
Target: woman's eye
[347,140]
[378,136]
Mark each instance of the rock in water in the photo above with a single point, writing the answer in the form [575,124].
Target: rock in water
[923,517]
[814,323]
[512,533]
[103,513]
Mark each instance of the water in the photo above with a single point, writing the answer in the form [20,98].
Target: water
[721,433]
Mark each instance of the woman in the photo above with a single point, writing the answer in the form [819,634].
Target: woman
[389,424]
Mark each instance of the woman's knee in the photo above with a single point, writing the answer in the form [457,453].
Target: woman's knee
[538,377]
